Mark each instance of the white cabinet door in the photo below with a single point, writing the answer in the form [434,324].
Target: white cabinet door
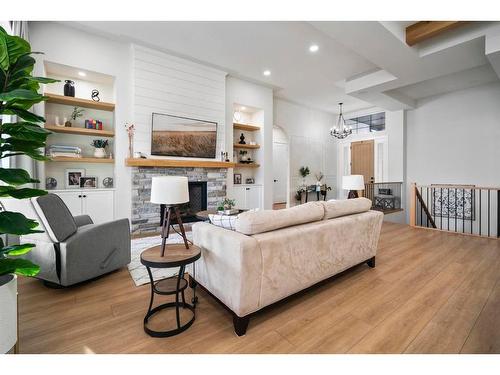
[99,205]
[253,197]
[73,200]
[239,197]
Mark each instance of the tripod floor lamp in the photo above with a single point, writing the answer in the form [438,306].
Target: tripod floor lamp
[171,191]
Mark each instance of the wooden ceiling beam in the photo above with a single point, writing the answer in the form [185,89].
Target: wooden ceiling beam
[423,30]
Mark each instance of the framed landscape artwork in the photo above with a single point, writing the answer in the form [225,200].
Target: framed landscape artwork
[182,136]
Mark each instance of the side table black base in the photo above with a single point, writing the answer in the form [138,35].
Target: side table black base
[171,332]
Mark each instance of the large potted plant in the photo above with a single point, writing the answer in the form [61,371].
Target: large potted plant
[25,136]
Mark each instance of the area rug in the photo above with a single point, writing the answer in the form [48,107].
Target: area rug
[137,271]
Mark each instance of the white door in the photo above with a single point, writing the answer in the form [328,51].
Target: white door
[99,205]
[239,197]
[280,172]
[73,201]
[253,197]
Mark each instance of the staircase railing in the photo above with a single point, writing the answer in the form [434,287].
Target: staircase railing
[465,209]
[385,196]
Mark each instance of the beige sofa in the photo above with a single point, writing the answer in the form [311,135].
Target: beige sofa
[274,254]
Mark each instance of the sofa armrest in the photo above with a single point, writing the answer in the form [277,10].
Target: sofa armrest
[230,266]
[95,249]
[82,220]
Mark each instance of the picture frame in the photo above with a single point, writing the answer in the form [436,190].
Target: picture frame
[72,177]
[237,178]
[89,182]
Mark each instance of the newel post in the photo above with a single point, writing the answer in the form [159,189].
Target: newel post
[413,203]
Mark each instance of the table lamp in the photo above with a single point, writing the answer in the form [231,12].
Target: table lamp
[353,183]
[170,191]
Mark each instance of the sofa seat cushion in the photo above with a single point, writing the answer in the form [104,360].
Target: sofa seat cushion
[344,207]
[254,222]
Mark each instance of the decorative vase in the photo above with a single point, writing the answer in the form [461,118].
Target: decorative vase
[69,88]
[8,312]
[99,153]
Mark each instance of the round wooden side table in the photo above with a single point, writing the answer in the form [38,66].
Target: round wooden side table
[176,255]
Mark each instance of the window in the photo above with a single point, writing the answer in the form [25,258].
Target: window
[367,124]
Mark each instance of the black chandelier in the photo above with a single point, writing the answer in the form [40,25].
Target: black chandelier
[340,131]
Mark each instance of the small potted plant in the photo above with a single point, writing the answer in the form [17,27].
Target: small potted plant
[304,172]
[77,112]
[226,207]
[99,147]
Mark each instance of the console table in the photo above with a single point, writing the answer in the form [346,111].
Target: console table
[176,255]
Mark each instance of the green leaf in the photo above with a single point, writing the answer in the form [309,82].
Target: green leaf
[13,144]
[23,113]
[25,131]
[11,191]
[17,223]
[16,176]
[19,94]
[44,80]
[18,266]
[16,47]
[4,55]
[16,250]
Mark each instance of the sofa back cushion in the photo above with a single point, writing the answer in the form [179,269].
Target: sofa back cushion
[253,222]
[55,216]
[338,208]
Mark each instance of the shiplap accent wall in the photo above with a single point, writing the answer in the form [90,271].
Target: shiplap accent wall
[171,85]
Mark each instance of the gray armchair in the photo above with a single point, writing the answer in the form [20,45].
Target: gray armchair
[72,249]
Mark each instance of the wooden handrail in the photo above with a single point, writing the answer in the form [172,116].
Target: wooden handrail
[424,206]
[465,187]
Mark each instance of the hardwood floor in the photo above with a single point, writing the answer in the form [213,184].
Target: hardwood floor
[431,292]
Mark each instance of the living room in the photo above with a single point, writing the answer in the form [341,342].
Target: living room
[259,187]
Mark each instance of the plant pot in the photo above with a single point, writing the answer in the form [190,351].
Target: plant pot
[99,153]
[8,312]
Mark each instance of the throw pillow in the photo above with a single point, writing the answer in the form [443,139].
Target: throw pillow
[223,221]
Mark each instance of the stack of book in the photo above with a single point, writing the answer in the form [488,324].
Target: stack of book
[66,151]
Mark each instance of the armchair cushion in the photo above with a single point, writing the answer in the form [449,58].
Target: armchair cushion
[82,220]
[55,216]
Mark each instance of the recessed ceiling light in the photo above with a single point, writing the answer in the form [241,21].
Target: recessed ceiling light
[82,74]
[266,73]
[243,108]
[313,48]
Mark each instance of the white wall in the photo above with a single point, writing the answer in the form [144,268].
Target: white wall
[310,144]
[171,85]
[68,46]
[250,94]
[455,138]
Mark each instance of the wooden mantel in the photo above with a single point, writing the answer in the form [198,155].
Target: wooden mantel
[174,163]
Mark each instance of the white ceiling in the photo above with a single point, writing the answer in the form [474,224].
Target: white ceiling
[359,63]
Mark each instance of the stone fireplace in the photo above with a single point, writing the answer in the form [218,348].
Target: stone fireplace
[146,216]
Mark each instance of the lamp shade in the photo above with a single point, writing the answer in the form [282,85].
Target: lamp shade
[169,190]
[353,182]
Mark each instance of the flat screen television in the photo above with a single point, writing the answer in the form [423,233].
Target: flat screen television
[183,136]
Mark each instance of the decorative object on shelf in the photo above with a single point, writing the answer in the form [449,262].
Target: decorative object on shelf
[226,157]
[171,191]
[88,182]
[69,88]
[226,207]
[99,147]
[56,121]
[73,178]
[353,183]
[130,128]
[93,124]
[63,150]
[139,155]
[242,139]
[340,131]
[319,176]
[19,93]
[107,182]
[237,116]
[77,112]
[304,172]
[244,157]
[237,178]
[50,183]
[95,95]
[250,181]
[253,143]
